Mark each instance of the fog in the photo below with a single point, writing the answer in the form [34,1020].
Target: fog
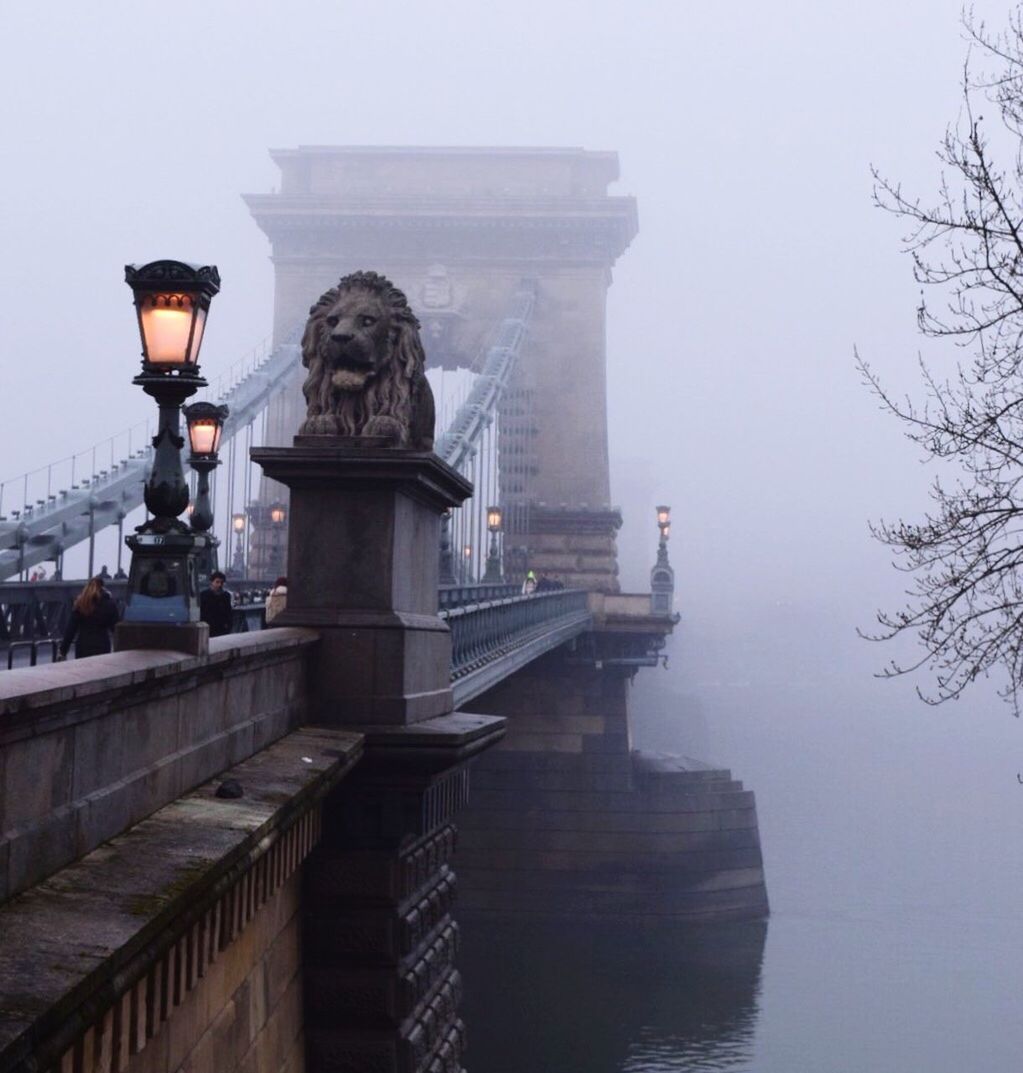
[746,131]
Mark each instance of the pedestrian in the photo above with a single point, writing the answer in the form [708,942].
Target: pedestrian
[215,605]
[529,585]
[277,600]
[93,617]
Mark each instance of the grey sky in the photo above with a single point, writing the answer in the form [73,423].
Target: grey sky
[745,130]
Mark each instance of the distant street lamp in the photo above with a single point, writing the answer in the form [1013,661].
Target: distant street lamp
[447,566]
[205,424]
[278,518]
[238,562]
[662,577]
[664,521]
[492,575]
[172,300]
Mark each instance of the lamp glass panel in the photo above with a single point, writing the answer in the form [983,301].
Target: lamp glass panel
[204,435]
[200,327]
[277,515]
[493,519]
[166,322]
[663,515]
[238,521]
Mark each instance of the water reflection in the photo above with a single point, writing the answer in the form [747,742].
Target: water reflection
[609,997]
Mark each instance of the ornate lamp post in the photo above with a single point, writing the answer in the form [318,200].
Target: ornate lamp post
[493,575]
[447,566]
[238,562]
[171,300]
[205,424]
[278,525]
[662,577]
[664,521]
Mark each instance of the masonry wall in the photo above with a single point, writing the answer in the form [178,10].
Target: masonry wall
[566,820]
[246,1013]
[90,747]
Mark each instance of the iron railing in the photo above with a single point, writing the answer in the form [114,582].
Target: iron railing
[53,519]
[484,633]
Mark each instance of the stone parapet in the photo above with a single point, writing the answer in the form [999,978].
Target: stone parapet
[175,945]
[89,747]
[363,568]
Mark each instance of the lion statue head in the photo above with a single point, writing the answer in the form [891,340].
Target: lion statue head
[366,365]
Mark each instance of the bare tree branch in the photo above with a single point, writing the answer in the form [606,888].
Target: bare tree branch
[965,557]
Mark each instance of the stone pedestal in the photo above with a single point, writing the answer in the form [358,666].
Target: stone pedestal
[379,941]
[364,529]
[380,989]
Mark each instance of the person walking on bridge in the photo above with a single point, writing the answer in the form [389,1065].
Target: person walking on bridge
[93,617]
[215,605]
[277,600]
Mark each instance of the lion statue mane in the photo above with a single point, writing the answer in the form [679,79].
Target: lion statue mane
[366,365]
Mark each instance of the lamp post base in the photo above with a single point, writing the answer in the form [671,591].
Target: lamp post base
[163,586]
[192,638]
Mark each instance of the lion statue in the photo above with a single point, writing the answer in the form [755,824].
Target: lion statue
[366,365]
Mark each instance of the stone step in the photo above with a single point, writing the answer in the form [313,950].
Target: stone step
[623,881]
[658,765]
[536,820]
[531,761]
[565,800]
[690,865]
[741,903]
[578,778]
[613,842]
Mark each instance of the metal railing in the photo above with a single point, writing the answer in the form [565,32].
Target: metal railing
[494,629]
[52,519]
[490,631]
[47,647]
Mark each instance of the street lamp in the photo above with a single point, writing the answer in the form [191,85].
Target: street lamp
[447,566]
[664,521]
[238,563]
[278,517]
[205,424]
[662,577]
[492,574]
[172,300]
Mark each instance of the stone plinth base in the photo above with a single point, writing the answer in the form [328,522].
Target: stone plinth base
[363,564]
[379,942]
[566,821]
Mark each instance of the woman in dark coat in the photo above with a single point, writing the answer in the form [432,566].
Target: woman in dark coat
[93,618]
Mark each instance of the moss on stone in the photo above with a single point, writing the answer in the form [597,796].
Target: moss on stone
[149,905]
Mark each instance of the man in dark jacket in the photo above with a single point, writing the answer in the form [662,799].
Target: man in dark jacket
[215,605]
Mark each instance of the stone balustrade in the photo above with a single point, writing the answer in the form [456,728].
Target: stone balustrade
[90,747]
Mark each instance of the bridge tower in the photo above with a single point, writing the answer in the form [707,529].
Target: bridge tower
[459,230]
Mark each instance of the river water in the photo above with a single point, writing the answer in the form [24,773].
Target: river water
[894,856]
